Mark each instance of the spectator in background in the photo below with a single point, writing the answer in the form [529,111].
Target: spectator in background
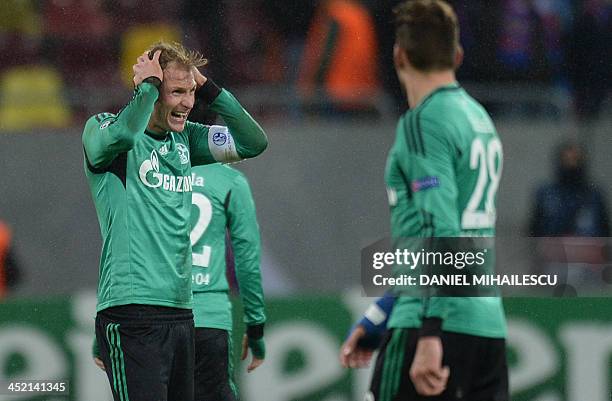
[589,58]
[248,51]
[9,267]
[382,13]
[340,60]
[521,51]
[20,33]
[572,205]
[79,43]
[207,38]
[134,12]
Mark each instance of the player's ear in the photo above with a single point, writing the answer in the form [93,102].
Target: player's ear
[458,56]
[399,57]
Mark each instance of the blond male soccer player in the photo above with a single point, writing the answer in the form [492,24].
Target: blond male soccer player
[138,165]
[442,176]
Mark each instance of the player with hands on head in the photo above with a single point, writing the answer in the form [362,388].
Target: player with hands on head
[138,166]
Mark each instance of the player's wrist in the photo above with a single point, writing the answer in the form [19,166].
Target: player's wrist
[255,331]
[258,347]
[208,92]
[153,80]
[95,348]
[431,327]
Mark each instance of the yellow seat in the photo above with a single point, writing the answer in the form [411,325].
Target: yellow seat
[32,97]
[137,39]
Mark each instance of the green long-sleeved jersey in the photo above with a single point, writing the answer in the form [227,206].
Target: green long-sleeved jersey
[222,200]
[442,177]
[141,185]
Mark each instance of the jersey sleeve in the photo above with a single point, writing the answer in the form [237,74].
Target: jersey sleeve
[434,187]
[242,138]
[433,183]
[106,135]
[244,235]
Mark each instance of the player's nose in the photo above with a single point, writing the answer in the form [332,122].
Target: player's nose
[188,101]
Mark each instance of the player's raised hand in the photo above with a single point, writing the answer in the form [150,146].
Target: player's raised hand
[199,77]
[353,356]
[258,349]
[146,67]
[427,373]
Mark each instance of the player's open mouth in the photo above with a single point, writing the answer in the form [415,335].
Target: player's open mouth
[179,116]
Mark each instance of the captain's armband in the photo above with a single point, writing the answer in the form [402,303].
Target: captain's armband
[221,144]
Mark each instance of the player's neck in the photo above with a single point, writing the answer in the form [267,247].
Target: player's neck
[420,85]
[156,130]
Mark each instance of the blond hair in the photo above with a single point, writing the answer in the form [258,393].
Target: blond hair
[174,51]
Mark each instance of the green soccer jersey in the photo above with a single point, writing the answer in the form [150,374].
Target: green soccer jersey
[222,201]
[442,176]
[141,184]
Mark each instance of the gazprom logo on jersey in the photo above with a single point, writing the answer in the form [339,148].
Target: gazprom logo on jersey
[150,176]
[219,138]
[425,183]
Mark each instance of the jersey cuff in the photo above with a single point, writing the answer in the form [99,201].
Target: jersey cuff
[431,327]
[255,332]
[208,92]
[153,81]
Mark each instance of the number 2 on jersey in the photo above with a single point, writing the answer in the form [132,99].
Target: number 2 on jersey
[205,207]
[489,173]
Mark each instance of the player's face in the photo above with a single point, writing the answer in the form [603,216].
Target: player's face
[176,98]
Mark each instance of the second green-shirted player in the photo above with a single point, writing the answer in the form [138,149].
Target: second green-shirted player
[222,203]
[442,177]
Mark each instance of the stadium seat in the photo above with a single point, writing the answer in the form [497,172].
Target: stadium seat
[32,97]
[137,39]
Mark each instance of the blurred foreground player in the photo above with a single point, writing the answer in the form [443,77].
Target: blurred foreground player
[138,166]
[442,177]
[223,202]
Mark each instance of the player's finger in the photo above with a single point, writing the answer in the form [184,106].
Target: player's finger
[424,388]
[441,374]
[355,359]
[255,363]
[433,384]
[345,352]
[351,342]
[344,358]
[364,358]
[245,348]
[156,55]
[347,349]
[99,363]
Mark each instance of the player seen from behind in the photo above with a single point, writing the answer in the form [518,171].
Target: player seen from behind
[442,176]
